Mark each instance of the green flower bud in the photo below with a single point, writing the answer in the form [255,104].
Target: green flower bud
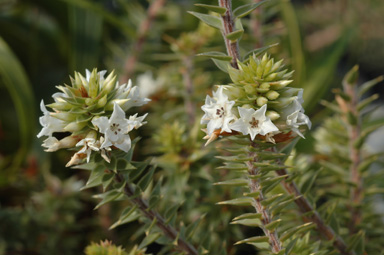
[260,101]
[250,89]
[101,103]
[272,95]
[272,115]
[235,92]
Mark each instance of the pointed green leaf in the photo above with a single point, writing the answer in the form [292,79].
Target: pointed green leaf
[109,196]
[308,183]
[221,64]
[364,103]
[107,179]
[128,215]
[270,200]
[373,191]
[215,55]
[248,216]
[149,239]
[233,182]
[273,225]
[237,201]
[213,8]
[235,35]
[248,222]
[333,107]
[170,213]
[368,85]
[146,179]
[255,239]
[96,178]
[191,229]
[210,20]
[246,9]
[300,229]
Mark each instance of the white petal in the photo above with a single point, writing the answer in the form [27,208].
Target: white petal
[125,145]
[102,123]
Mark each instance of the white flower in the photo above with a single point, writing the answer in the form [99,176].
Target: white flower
[89,144]
[52,144]
[49,123]
[126,91]
[218,112]
[136,122]
[295,116]
[253,122]
[116,128]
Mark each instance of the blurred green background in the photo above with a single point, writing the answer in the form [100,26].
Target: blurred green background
[42,42]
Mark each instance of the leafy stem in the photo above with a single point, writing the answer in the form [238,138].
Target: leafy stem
[229,27]
[311,214]
[266,218]
[151,214]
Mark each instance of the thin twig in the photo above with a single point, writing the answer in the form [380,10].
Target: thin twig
[311,215]
[167,229]
[229,27]
[130,63]
[266,218]
[354,130]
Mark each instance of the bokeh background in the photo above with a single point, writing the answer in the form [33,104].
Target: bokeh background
[154,43]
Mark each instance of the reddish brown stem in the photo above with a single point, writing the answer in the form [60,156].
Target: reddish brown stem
[312,215]
[354,130]
[167,229]
[130,63]
[266,218]
[229,27]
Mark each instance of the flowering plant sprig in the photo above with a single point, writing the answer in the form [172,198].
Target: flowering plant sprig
[92,110]
[266,106]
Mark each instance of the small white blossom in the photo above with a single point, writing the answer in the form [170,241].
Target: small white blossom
[132,93]
[89,144]
[218,113]
[49,123]
[116,128]
[296,117]
[253,122]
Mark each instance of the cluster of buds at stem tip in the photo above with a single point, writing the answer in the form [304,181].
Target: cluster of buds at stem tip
[258,102]
[92,110]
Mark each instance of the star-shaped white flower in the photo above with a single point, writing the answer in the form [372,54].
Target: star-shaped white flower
[218,113]
[297,119]
[49,123]
[116,128]
[253,122]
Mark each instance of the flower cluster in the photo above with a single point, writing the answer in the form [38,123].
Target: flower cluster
[92,110]
[258,103]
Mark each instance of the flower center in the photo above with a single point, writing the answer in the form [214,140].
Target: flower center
[115,128]
[254,123]
[220,112]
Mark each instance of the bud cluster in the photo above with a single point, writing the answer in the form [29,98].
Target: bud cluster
[92,110]
[258,102]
